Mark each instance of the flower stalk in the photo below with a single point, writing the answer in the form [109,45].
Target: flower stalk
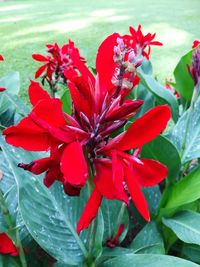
[9,221]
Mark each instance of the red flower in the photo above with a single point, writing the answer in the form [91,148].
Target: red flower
[57,61]
[139,42]
[196,43]
[1,88]
[84,138]
[7,246]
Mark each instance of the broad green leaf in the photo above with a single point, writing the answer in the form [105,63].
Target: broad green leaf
[159,149]
[152,195]
[8,261]
[114,214]
[191,252]
[184,83]
[161,93]
[147,260]
[148,241]
[11,82]
[185,191]
[17,103]
[186,134]
[42,214]
[66,102]
[186,226]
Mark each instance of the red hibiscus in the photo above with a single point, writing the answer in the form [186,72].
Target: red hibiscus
[7,246]
[84,139]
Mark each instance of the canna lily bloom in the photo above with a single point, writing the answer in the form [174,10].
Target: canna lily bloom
[139,42]
[7,246]
[57,61]
[84,138]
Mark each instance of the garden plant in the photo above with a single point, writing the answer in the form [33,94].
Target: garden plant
[102,167]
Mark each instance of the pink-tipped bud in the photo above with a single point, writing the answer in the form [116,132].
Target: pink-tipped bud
[131,56]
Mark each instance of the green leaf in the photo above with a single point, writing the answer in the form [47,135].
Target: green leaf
[148,241]
[184,83]
[148,260]
[11,82]
[17,103]
[186,226]
[66,102]
[191,252]
[43,215]
[152,195]
[159,149]
[185,191]
[161,93]
[113,217]
[186,134]
[8,261]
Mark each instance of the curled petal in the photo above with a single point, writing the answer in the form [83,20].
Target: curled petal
[150,172]
[36,93]
[29,136]
[136,194]
[7,246]
[40,71]
[104,181]
[105,64]
[39,57]
[37,166]
[73,165]
[146,128]
[90,210]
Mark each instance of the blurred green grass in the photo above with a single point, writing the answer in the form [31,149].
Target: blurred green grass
[26,26]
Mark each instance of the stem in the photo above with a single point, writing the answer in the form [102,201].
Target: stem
[9,221]
[119,218]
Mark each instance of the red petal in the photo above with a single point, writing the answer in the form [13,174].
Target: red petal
[1,58]
[105,64]
[50,110]
[7,246]
[36,93]
[195,44]
[28,136]
[37,166]
[150,172]
[2,89]
[136,194]
[117,172]
[40,71]
[73,165]
[40,58]
[146,128]
[90,210]
[71,190]
[104,181]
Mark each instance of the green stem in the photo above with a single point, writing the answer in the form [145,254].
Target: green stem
[119,218]
[9,221]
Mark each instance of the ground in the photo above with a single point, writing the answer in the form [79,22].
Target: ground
[26,26]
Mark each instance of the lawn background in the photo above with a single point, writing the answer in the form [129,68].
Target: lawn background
[26,26]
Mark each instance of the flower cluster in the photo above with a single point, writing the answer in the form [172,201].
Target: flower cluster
[7,246]
[60,60]
[139,42]
[85,138]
